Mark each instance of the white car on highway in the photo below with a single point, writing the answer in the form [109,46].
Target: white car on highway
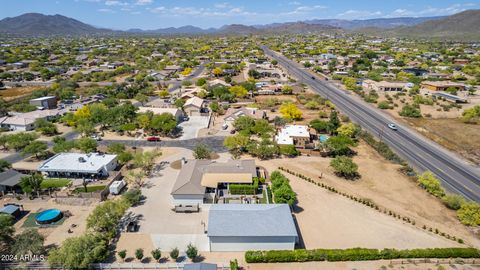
[392,126]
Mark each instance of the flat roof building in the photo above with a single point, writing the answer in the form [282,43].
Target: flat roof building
[298,135]
[78,165]
[241,227]
[442,85]
[384,85]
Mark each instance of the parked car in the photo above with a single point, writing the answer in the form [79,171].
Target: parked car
[96,137]
[232,131]
[392,126]
[153,139]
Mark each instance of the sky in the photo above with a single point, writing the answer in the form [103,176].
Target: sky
[154,14]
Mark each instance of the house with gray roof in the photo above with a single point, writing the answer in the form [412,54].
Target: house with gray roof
[9,179]
[241,227]
[200,179]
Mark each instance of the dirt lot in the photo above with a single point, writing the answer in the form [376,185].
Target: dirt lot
[453,134]
[16,92]
[382,183]
[55,235]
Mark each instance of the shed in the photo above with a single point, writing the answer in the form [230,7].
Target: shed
[241,227]
[12,210]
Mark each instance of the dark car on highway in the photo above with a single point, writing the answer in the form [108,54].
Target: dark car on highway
[153,139]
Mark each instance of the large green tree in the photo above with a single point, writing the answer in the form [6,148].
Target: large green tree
[29,242]
[344,166]
[79,252]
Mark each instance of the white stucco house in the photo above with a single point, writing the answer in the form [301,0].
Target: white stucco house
[79,165]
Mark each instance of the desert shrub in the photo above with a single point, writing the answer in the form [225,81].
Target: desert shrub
[453,201]
[380,147]
[469,214]
[431,184]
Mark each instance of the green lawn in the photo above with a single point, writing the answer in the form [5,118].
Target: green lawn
[89,189]
[55,183]
[266,193]
[31,223]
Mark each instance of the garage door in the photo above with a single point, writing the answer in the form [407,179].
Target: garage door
[251,243]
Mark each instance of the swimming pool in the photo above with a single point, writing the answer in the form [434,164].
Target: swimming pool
[324,138]
[49,216]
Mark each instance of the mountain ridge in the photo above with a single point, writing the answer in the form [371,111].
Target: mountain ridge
[35,24]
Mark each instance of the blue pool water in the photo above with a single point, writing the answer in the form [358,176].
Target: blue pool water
[324,138]
[49,216]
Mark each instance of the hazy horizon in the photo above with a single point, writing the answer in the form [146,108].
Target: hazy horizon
[154,14]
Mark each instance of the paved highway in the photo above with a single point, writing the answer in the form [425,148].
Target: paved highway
[422,154]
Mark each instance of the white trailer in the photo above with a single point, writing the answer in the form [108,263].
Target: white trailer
[116,187]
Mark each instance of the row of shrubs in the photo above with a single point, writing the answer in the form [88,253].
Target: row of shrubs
[282,191]
[356,254]
[244,189]
[467,212]
[371,204]
[381,147]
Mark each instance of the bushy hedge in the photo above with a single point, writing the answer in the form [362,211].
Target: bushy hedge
[356,254]
[244,189]
[381,147]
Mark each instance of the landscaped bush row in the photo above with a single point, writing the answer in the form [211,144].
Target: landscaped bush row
[371,204]
[244,189]
[380,147]
[356,254]
[467,212]
[282,191]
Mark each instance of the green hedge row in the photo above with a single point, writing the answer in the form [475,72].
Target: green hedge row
[244,189]
[380,147]
[356,254]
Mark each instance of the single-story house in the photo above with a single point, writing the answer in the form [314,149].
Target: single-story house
[194,106]
[242,227]
[218,82]
[79,165]
[177,113]
[383,85]
[200,180]
[9,179]
[233,114]
[442,85]
[25,121]
[298,135]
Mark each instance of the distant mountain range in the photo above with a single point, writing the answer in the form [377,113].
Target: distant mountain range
[458,25]
[32,24]
[464,25]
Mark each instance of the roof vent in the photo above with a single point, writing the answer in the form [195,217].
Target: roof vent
[81,159]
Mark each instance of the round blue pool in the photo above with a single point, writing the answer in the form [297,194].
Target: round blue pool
[49,216]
